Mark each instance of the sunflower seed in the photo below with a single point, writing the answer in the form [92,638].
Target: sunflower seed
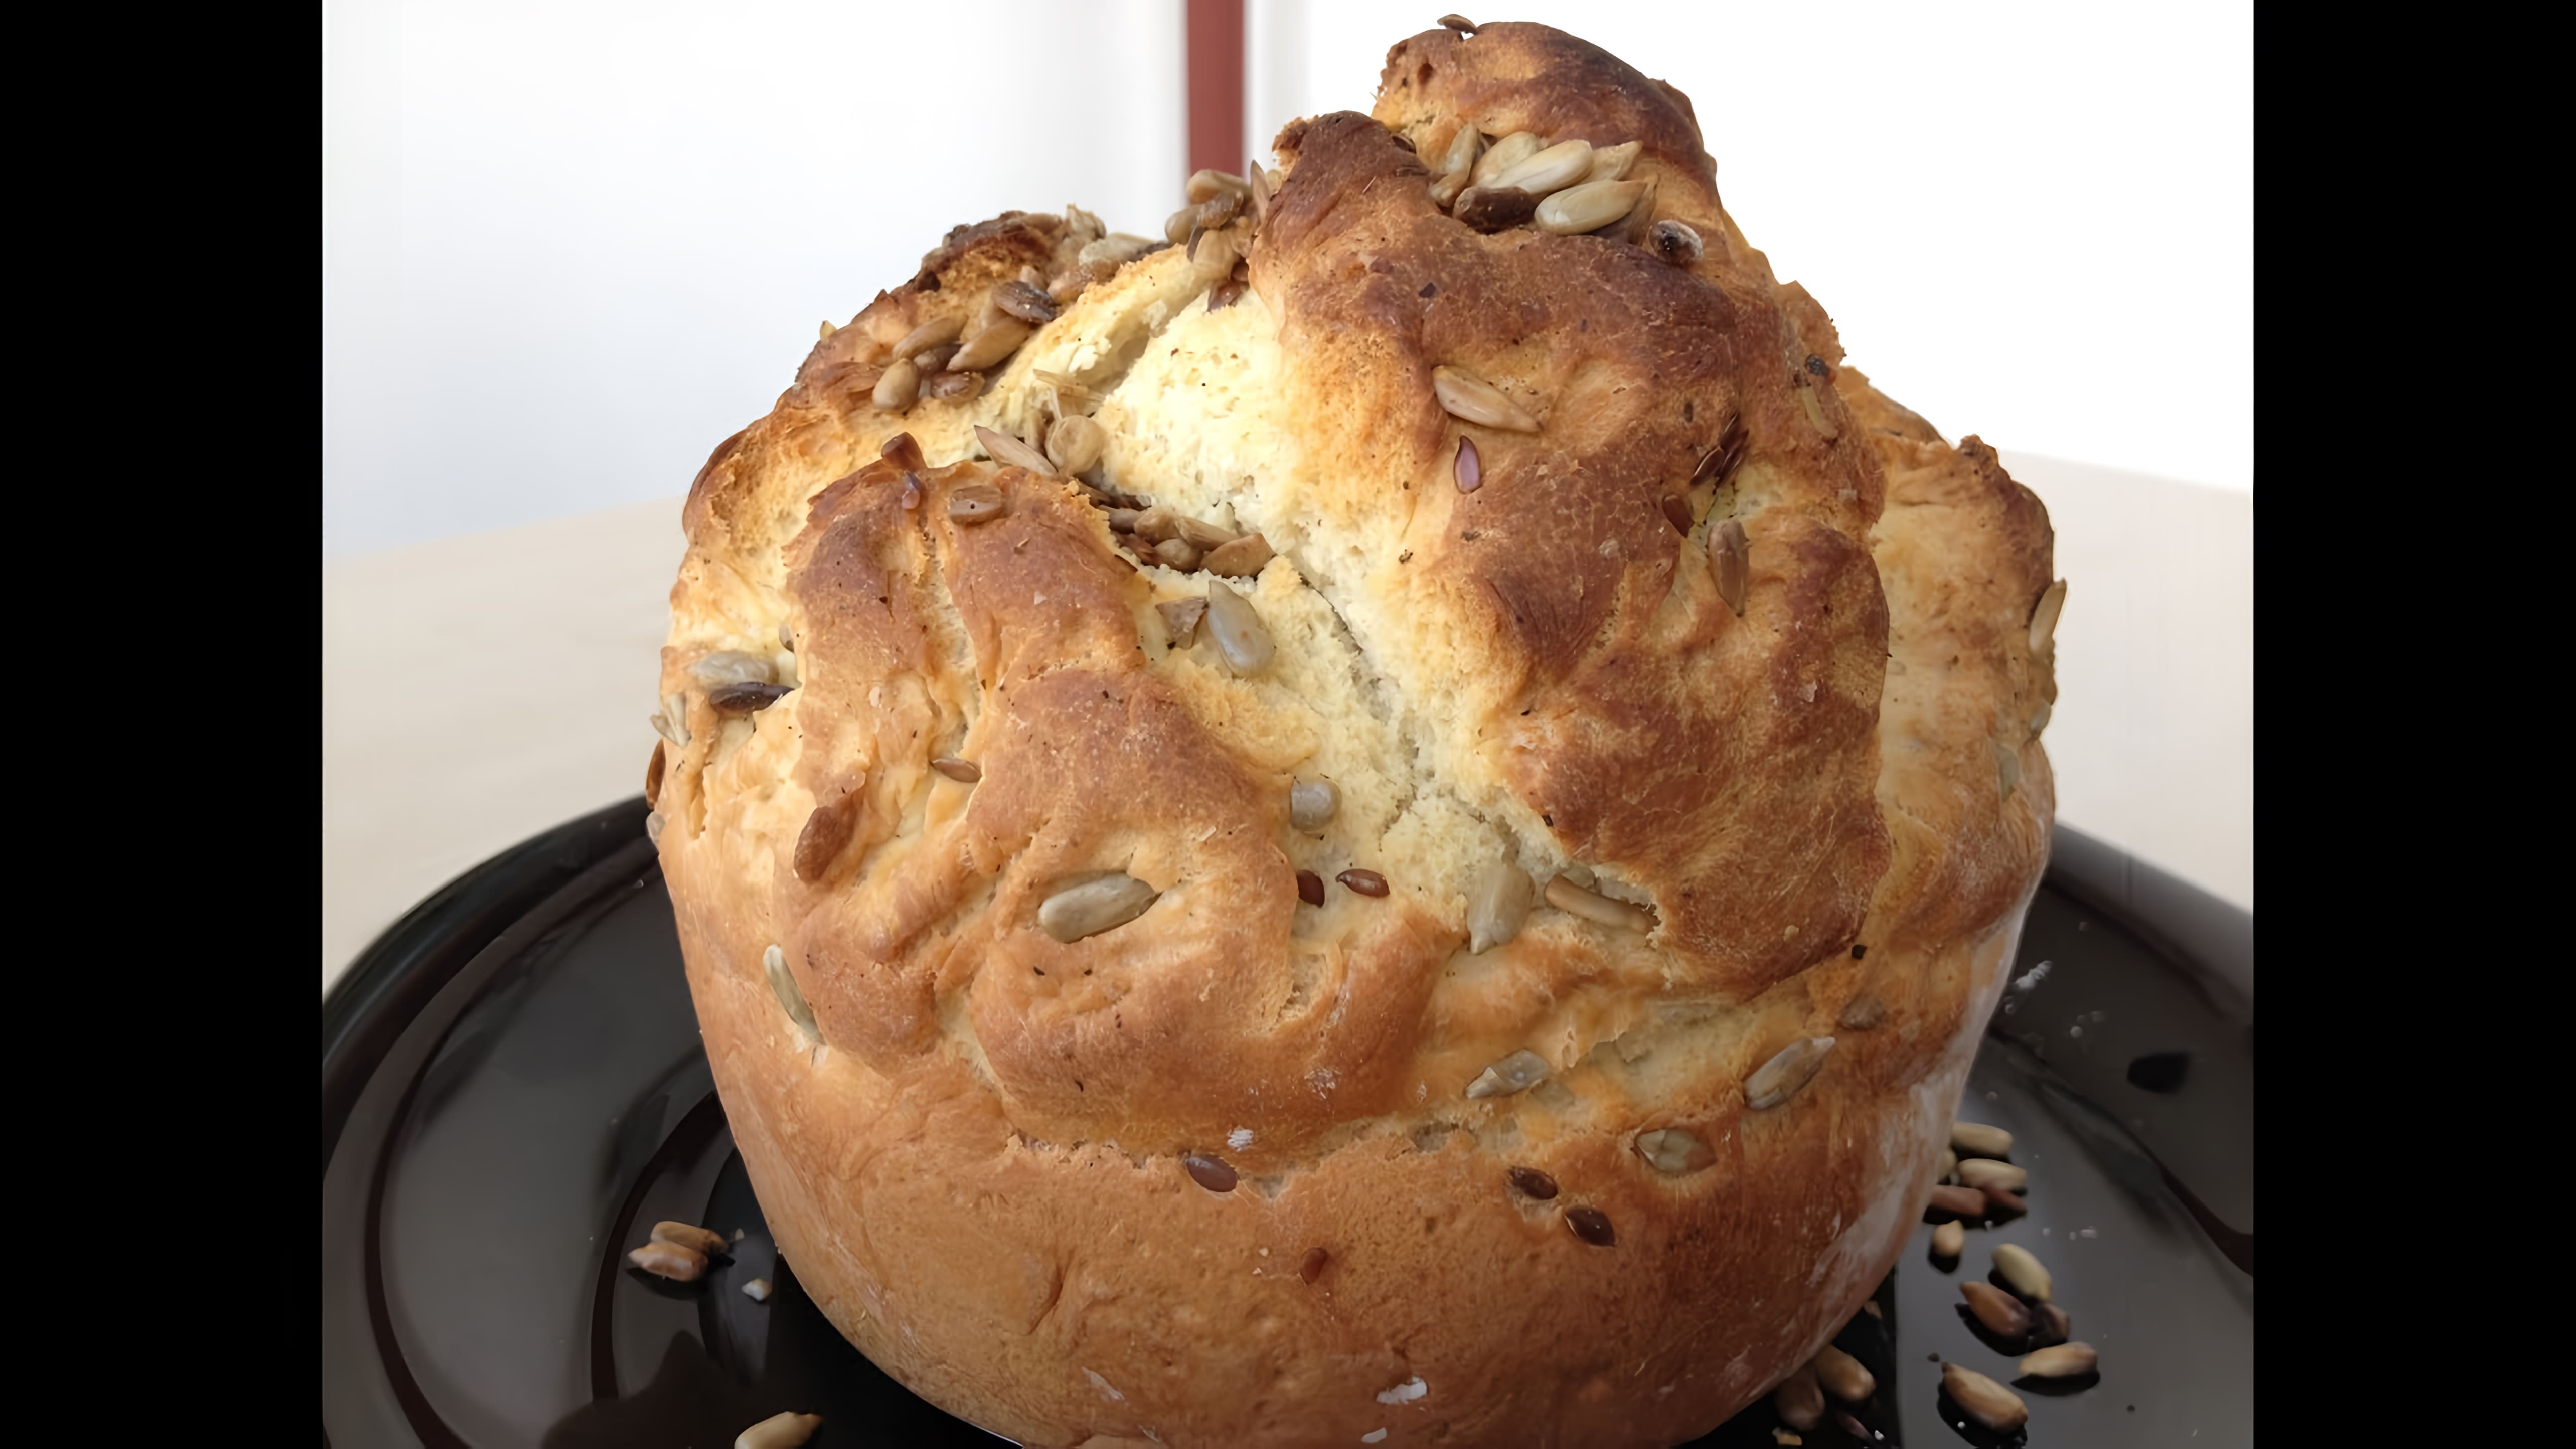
[1363,882]
[1446,190]
[827,830]
[901,451]
[1472,399]
[1257,182]
[1240,558]
[1459,23]
[1181,620]
[2007,766]
[2001,1313]
[1158,523]
[1201,534]
[732,666]
[1984,1172]
[1468,467]
[1843,1376]
[1094,906]
[1789,1070]
[937,332]
[1208,185]
[2066,1361]
[1551,170]
[1798,1399]
[899,387]
[1588,207]
[1632,226]
[653,828]
[972,503]
[2039,722]
[1677,512]
[672,722]
[1591,1225]
[1178,553]
[1491,209]
[746,697]
[1215,253]
[990,345]
[1030,304]
[1611,163]
[1592,906]
[1984,1400]
[1310,888]
[1503,155]
[1069,394]
[2043,617]
[1950,1239]
[942,386]
[1240,635]
[1313,803]
[1220,210]
[1497,905]
[1814,405]
[653,778]
[2000,1201]
[964,772]
[1010,452]
[1675,242]
[1180,224]
[1674,1150]
[1075,445]
[1965,1202]
[1518,1072]
[1976,1139]
[1465,145]
[690,1236]
[1213,1173]
[825,335]
[2022,1272]
[912,485]
[669,1260]
[757,1290]
[779,1431]
[1228,292]
[1729,555]
[791,997]
[1862,1013]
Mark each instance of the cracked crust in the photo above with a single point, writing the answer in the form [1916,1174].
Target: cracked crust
[976,1168]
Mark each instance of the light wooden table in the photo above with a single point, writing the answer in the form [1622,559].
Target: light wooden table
[478,690]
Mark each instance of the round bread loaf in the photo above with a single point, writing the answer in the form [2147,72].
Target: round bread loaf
[1394,823]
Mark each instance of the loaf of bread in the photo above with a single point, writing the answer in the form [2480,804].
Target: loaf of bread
[1391,819]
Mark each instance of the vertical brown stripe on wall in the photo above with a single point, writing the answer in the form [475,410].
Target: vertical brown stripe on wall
[1213,42]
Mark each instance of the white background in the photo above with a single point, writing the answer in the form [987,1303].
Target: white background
[569,246]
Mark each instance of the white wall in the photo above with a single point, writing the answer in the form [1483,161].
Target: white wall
[569,246]
[2034,222]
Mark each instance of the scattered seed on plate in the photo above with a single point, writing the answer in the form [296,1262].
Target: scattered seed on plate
[1363,882]
[1983,1172]
[1984,1400]
[1103,904]
[1999,1199]
[2001,1313]
[1976,1139]
[1800,1400]
[1212,1173]
[779,1431]
[2065,1361]
[2022,1272]
[2050,1324]
[690,1236]
[1964,1202]
[1843,1375]
[1950,1239]
[757,1290]
[669,1260]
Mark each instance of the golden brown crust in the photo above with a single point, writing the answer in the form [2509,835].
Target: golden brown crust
[975,1159]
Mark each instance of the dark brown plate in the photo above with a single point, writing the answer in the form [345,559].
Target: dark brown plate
[513,1091]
